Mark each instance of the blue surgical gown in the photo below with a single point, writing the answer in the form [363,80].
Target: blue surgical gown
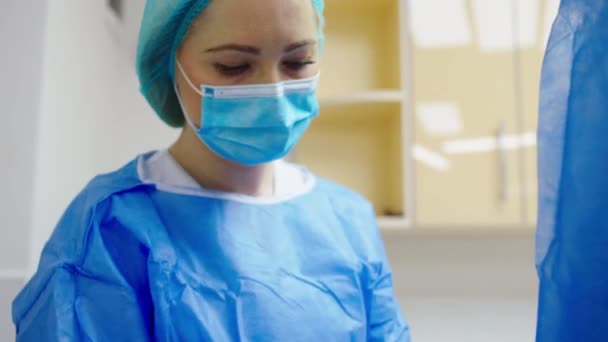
[132,262]
[572,236]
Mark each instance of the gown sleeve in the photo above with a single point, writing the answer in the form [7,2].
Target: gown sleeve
[91,284]
[385,322]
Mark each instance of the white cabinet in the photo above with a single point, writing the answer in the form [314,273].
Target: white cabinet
[429,109]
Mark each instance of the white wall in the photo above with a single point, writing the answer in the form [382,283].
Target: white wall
[93,118]
[70,109]
[20,69]
[466,286]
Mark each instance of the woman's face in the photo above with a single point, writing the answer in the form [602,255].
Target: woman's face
[237,42]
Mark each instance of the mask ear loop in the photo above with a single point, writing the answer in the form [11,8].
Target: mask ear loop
[195,88]
[181,105]
[179,97]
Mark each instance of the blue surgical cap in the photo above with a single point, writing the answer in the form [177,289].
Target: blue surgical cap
[165,24]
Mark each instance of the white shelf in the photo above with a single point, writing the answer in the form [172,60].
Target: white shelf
[393,223]
[374,96]
[472,233]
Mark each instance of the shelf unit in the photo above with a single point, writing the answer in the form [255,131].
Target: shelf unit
[374,77]
[360,139]
[372,96]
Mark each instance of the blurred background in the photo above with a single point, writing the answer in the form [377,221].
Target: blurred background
[429,109]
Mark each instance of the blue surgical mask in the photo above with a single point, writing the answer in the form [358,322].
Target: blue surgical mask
[254,124]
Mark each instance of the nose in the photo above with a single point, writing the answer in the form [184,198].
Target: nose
[270,74]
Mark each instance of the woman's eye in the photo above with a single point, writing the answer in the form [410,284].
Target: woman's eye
[231,70]
[297,65]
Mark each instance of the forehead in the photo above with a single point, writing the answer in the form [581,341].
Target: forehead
[256,20]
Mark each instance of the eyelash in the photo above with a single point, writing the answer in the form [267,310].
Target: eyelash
[296,66]
[229,70]
[236,70]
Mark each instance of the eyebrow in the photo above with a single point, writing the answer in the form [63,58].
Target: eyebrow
[298,45]
[255,51]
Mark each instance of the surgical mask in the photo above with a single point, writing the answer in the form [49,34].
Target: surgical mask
[254,124]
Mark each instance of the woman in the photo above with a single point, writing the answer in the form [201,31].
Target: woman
[216,239]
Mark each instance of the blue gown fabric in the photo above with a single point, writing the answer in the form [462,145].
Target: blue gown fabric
[130,262]
[572,237]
